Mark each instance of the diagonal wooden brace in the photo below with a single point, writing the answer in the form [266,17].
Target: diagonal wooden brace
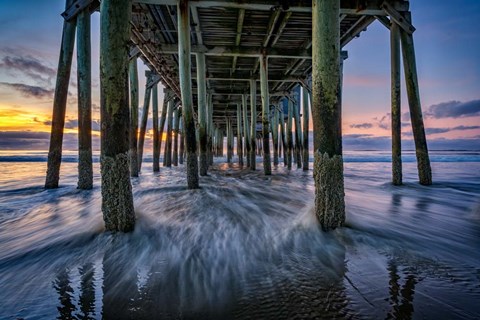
[398,18]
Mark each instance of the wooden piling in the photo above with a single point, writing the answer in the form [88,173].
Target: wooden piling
[239,135]
[117,198]
[267,165]
[143,122]
[253,124]
[184,61]
[209,129]
[229,141]
[167,95]
[246,129]
[396,105]
[275,136]
[326,109]
[60,102]
[282,135]
[182,143]
[84,85]
[156,136]
[306,154]
[411,79]
[133,133]
[202,112]
[176,125]
[298,130]
[289,134]
[168,144]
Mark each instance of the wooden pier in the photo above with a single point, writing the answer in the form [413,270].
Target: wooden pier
[247,70]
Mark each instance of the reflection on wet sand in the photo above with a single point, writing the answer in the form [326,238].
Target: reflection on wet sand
[401,300]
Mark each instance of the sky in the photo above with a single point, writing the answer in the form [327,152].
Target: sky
[447,44]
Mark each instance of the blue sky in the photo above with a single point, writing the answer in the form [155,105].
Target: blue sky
[447,45]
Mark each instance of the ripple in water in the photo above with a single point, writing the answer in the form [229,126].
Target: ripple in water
[242,247]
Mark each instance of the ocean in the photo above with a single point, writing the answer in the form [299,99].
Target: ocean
[244,246]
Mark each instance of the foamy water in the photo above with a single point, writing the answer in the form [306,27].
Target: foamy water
[244,246]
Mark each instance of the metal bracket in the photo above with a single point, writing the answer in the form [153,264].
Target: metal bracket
[77,7]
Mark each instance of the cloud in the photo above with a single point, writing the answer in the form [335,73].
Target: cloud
[362,126]
[454,109]
[28,66]
[29,140]
[430,131]
[29,91]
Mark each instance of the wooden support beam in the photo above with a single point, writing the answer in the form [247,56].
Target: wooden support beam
[156,136]
[275,136]
[411,79]
[397,17]
[202,112]
[184,61]
[60,103]
[356,29]
[305,111]
[238,37]
[76,7]
[168,144]
[143,122]
[84,81]
[298,128]
[282,135]
[326,108]
[239,135]
[133,132]
[384,20]
[167,96]
[117,198]
[253,124]
[134,52]
[176,126]
[396,105]
[305,6]
[289,134]
[209,130]
[182,143]
[267,165]
[241,51]
[246,128]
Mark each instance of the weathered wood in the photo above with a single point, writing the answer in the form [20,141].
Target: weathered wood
[176,125]
[246,129]
[267,165]
[326,108]
[229,141]
[182,143]
[306,154]
[156,136]
[396,105]
[117,198]
[143,125]
[411,79]
[60,103]
[168,144]
[209,130]
[282,135]
[298,129]
[133,132]
[167,95]
[202,112]
[275,136]
[183,12]
[289,134]
[253,124]
[239,135]
[84,86]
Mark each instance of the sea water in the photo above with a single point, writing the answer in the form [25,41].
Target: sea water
[244,246]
